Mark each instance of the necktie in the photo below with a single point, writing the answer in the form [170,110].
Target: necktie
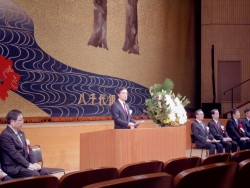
[203,126]
[27,149]
[237,124]
[218,124]
[125,109]
[19,138]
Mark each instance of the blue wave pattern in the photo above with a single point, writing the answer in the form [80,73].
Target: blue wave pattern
[57,89]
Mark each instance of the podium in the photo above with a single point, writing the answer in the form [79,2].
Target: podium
[118,147]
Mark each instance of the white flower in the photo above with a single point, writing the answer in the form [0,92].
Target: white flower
[172,117]
[177,101]
[176,109]
[172,111]
[169,101]
[183,119]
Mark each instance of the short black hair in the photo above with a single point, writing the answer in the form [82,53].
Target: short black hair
[120,89]
[213,111]
[246,110]
[12,115]
[197,111]
[233,111]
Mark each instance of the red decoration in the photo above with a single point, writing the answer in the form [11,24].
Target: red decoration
[240,127]
[8,78]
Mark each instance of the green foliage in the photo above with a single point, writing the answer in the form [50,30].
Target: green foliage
[184,100]
[167,86]
[163,105]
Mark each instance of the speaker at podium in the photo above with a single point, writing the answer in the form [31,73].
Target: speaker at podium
[207,107]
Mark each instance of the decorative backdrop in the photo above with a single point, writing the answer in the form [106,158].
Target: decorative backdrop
[46,41]
[54,87]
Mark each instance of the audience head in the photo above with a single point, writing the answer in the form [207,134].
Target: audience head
[15,119]
[247,112]
[215,114]
[235,113]
[199,114]
[122,94]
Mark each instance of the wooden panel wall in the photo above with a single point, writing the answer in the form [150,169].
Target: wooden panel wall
[226,25]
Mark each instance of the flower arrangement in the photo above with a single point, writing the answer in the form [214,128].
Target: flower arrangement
[164,108]
[8,77]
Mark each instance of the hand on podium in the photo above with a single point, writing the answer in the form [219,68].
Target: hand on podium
[136,125]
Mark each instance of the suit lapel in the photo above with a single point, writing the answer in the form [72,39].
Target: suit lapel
[17,139]
[201,127]
[216,126]
[24,142]
[22,138]
[247,122]
[121,108]
[127,108]
[14,136]
[236,126]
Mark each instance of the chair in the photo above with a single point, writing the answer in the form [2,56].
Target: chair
[38,154]
[31,182]
[80,179]
[154,180]
[175,166]
[243,174]
[193,146]
[216,158]
[217,175]
[145,167]
[240,156]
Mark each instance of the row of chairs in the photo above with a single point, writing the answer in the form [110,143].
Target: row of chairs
[153,172]
[157,165]
[217,175]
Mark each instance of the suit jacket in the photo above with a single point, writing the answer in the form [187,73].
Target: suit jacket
[200,134]
[216,131]
[246,126]
[121,119]
[233,130]
[14,154]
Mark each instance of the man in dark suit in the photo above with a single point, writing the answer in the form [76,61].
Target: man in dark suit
[232,128]
[203,137]
[219,133]
[121,112]
[17,158]
[246,122]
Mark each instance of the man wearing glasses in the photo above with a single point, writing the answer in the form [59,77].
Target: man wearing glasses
[17,158]
[203,137]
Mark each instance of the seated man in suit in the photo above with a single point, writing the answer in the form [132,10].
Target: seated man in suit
[120,112]
[246,122]
[204,139]
[17,158]
[232,128]
[219,133]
